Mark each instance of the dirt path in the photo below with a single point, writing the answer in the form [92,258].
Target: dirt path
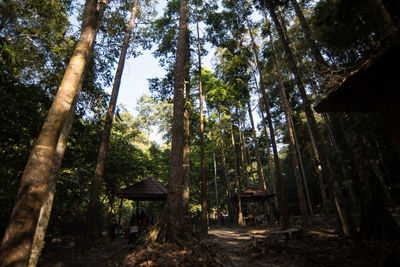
[232,242]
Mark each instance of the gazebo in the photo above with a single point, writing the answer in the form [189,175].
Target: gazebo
[374,87]
[252,195]
[146,190]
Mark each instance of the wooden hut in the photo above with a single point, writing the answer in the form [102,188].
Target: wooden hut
[374,87]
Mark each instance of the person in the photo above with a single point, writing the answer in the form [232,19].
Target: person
[277,216]
[221,220]
[133,230]
[113,228]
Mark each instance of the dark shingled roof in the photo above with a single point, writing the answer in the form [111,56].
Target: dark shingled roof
[148,189]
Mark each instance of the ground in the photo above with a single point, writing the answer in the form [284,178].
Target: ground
[319,245]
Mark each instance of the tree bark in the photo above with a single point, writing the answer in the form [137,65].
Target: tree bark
[105,140]
[215,183]
[45,211]
[174,218]
[245,173]
[292,137]
[240,214]
[281,187]
[19,234]
[202,156]
[259,165]
[315,51]
[326,167]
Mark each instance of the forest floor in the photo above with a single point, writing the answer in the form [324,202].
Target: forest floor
[256,246]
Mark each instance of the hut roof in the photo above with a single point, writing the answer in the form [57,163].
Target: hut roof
[370,88]
[252,195]
[148,189]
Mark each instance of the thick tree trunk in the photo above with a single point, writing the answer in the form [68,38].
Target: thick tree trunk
[174,218]
[202,156]
[105,140]
[45,211]
[240,214]
[18,237]
[282,197]
[186,148]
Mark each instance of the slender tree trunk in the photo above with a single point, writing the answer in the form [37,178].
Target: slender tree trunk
[245,173]
[259,165]
[105,140]
[292,136]
[326,167]
[45,211]
[215,183]
[282,196]
[315,51]
[376,221]
[240,214]
[18,237]
[228,184]
[174,210]
[273,182]
[202,156]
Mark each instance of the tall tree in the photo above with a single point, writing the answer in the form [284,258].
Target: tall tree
[282,197]
[45,211]
[240,214]
[326,167]
[18,237]
[174,217]
[105,140]
[204,220]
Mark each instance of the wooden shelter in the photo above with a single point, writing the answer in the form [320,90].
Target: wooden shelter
[374,87]
[148,189]
[252,195]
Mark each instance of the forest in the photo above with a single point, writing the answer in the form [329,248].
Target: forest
[286,152]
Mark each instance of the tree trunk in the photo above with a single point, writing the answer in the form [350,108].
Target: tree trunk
[174,218]
[202,156]
[240,214]
[282,197]
[376,221]
[326,167]
[215,183]
[45,211]
[228,184]
[292,137]
[245,173]
[186,148]
[18,237]
[105,139]
[259,165]
[273,182]
[315,51]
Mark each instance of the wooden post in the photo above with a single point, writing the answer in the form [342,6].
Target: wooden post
[120,215]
